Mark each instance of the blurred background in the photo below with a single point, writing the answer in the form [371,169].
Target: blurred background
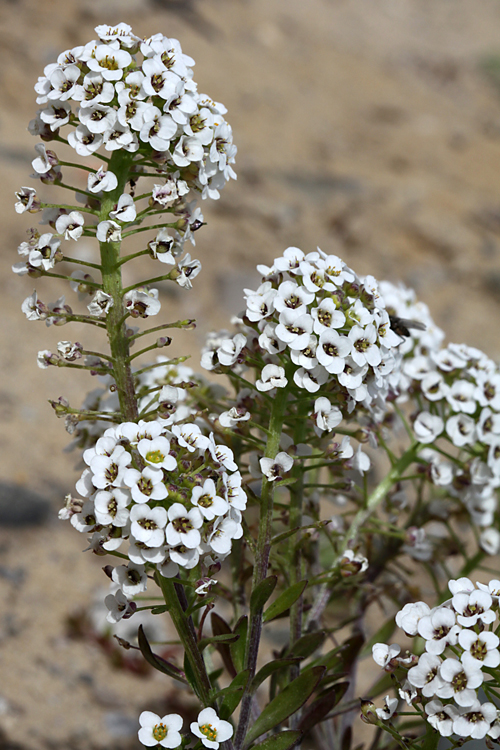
[371,129]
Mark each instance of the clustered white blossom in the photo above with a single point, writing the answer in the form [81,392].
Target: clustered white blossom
[460,644]
[171,491]
[458,390]
[314,312]
[121,92]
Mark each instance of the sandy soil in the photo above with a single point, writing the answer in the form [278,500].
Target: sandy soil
[368,128]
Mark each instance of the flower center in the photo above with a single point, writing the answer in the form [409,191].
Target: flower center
[160,731]
[209,732]
[155,457]
[205,501]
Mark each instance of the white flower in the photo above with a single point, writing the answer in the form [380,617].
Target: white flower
[233,416]
[206,499]
[382,654]
[109,231]
[157,129]
[83,141]
[274,468]
[101,180]
[459,681]
[480,648]
[44,161]
[189,436]
[70,225]
[183,526]
[109,61]
[161,247]
[462,429]
[439,629]
[272,376]
[475,720]
[125,210]
[26,200]
[146,485]
[156,453]
[132,579]
[390,707]
[425,675]
[472,607]
[119,607]
[441,717]
[100,304]
[225,529]
[427,427]
[210,729]
[142,302]
[111,507]
[490,541]
[188,269]
[332,350]
[155,731]
[148,524]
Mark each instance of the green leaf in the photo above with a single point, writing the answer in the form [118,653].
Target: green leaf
[270,668]
[216,640]
[285,704]
[190,675]
[233,694]
[237,648]
[160,610]
[261,593]
[322,706]
[308,644]
[285,601]
[282,741]
[162,665]
[221,628]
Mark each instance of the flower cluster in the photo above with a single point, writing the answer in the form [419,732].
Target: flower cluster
[174,494]
[314,320]
[458,392]
[461,654]
[153,107]
[120,93]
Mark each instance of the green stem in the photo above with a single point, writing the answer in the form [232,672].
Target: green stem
[261,557]
[119,343]
[187,635]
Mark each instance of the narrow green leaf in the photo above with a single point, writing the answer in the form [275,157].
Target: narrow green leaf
[233,694]
[285,601]
[160,610]
[261,593]
[308,644]
[190,675]
[282,741]
[220,628]
[285,704]
[237,648]
[270,668]
[322,706]
[216,640]
[162,665]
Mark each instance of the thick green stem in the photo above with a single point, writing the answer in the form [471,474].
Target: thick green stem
[119,343]
[187,636]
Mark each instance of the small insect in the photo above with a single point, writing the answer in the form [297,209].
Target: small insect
[401,325]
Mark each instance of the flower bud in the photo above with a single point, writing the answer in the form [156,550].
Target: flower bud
[368,714]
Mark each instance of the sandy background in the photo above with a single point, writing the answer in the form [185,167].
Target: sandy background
[371,129]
